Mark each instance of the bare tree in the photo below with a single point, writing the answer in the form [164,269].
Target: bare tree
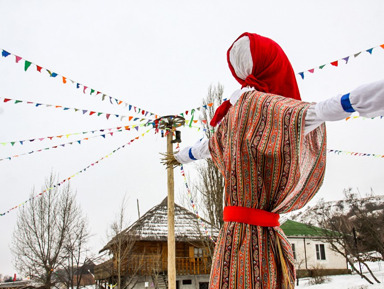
[76,257]
[211,183]
[340,230]
[44,227]
[126,264]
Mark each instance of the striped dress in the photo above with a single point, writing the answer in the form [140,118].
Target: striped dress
[268,164]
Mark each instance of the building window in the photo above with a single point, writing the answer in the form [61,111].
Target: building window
[320,252]
[294,251]
[198,252]
[187,282]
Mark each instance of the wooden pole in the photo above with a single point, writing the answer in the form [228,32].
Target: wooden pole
[171,221]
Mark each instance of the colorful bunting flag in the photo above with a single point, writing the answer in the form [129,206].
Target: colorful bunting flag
[27,64]
[67,179]
[336,62]
[84,111]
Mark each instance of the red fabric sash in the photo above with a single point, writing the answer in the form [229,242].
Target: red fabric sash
[251,216]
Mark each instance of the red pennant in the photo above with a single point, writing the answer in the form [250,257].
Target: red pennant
[92,112]
[335,63]
[38,68]
[6,99]
[107,115]
[311,70]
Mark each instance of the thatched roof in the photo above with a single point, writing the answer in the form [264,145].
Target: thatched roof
[153,226]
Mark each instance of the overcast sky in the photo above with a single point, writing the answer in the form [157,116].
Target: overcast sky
[162,56]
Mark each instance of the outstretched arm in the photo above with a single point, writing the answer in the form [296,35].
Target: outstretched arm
[367,100]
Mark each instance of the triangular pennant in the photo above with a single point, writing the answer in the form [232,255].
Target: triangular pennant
[84,111]
[321,66]
[18,58]
[107,115]
[137,128]
[77,85]
[54,74]
[335,63]
[92,112]
[357,54]
[346,59]
[18,101]
[92,91]
[103,135]
[6,99]
[300,73]
[311,70]
[130,107]
[64,80]
[5,53]
[84,89]
[369,50]
[27,64]
[38,68]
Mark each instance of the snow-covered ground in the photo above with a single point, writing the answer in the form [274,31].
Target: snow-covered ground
[353,281]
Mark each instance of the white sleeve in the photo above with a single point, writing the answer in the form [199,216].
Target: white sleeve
[327,110]
[200,150]
[368,99]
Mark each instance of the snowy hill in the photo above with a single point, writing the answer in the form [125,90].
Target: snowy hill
[373,204]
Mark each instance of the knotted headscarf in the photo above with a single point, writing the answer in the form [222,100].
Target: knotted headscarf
[259,62]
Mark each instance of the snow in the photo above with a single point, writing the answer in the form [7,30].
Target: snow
[353,281]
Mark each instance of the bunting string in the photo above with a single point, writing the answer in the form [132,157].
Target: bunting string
[336,63]
[67,135]
[356,154]
[194,207]
[79,141]
[83,111]
[362,117]
[74,175]
[86,89]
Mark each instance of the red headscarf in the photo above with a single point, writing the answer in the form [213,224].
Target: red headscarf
[271,72]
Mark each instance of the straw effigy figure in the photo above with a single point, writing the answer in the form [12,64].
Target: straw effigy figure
[271,149]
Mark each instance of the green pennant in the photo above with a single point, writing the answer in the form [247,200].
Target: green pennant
[27,64]
[99,113]
[92,91]
[192,116]
[12,143]
[321,66]
[18,101]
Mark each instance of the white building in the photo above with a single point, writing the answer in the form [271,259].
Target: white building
[311,250]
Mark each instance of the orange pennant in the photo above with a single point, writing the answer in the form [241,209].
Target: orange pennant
[130,118]
[64,80]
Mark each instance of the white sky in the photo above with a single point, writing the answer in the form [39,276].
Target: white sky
[162,56]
